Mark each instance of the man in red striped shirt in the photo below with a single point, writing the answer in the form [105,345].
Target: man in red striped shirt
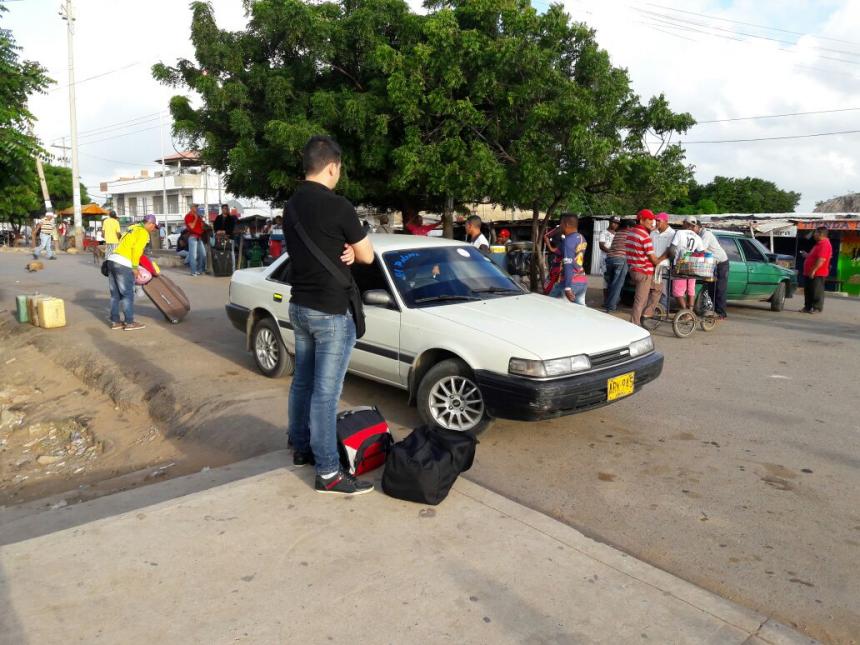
[642,260]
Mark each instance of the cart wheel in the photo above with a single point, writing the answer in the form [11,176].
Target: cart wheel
[708,322]
[684,323]
[652,322]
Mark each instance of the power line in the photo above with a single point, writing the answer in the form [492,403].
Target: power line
[126,163]
[119,136]
[678,23]
[777,116]
[119,129]
[674,26]
[666,31]
[95,76]
[121,125]
[783,138]
[749,24]
[134,121]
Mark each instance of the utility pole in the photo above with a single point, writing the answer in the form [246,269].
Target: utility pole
[49,208]
[68,15]
[163,170]
[65,158]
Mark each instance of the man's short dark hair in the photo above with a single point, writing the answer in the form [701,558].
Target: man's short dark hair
[569,218]
[113,214]
[474,220]
[227,206]
[822,231]
[319,152]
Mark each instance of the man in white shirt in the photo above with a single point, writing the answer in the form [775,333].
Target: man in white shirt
[661,238]
[717,289]
[474,235]
[604,242]
[686,241]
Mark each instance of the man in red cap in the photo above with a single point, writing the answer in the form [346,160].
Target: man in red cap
[641,260]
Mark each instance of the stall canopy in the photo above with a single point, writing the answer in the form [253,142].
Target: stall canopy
[90,210]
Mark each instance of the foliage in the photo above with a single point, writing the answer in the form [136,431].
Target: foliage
[18,81]
[59,180]
[19,203]
[475,101]
[736,195]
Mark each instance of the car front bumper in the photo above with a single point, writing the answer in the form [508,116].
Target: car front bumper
[524,399]
[238,315]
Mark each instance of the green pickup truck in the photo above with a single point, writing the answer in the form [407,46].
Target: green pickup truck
[753,272]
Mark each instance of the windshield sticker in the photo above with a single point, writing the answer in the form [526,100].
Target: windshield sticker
[463,252]
[399,263]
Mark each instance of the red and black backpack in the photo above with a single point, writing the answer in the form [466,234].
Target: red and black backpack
[363,439]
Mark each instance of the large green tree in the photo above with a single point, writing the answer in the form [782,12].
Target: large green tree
[476,100]
[19,79]
[736,195]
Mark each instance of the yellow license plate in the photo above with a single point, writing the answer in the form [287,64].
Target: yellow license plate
[620,386]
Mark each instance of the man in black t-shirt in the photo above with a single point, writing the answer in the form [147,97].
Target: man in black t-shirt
[320,315]
[226,222]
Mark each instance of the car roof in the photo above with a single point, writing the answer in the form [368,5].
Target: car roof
[383,243]
[716,231]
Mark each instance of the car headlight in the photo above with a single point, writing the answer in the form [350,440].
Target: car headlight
[551,368]
[641,347]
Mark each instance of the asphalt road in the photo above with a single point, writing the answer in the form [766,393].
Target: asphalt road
[739,469]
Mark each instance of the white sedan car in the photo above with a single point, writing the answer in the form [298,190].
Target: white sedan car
[452,329]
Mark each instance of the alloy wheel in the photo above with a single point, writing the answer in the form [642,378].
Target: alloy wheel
[456,403]
[266,348]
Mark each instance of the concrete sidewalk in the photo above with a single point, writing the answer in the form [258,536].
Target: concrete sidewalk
[264,559]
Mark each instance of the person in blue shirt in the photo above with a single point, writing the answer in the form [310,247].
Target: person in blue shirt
[574,282]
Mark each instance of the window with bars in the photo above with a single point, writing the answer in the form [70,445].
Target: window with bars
[173,203]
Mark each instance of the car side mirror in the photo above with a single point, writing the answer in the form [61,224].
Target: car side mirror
[378,298]
[771,257]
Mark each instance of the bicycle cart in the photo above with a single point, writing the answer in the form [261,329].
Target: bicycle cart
[684,321]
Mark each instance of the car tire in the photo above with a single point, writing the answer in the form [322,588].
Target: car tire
[777,300]
[452,383]
[270,354]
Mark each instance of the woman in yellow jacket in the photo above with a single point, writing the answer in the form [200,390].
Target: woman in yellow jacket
[122,271]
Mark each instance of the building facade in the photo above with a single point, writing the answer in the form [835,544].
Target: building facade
[184,181]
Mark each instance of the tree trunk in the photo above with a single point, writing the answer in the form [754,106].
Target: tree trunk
[543,226]
[448,218]
[535,269]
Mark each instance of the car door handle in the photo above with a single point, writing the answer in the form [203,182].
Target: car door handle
[277,297]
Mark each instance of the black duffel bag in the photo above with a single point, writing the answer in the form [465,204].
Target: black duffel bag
[423,467]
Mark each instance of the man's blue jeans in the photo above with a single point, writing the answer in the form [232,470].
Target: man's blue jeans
[578,292]
[196,255]
[616,273]
[121,281]
[324,344]
[45,244]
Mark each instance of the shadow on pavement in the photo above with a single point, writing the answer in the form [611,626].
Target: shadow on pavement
[10,626]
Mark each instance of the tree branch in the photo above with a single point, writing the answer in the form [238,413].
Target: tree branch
[348,75]
[498,145]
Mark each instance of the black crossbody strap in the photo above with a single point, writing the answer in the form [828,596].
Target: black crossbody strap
[315,250]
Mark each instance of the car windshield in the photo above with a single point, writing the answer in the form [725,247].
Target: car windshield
[447,274]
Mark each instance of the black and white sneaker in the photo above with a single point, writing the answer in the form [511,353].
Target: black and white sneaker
[342,484]
[303,458]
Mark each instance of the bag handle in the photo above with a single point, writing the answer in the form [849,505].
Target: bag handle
[315,250]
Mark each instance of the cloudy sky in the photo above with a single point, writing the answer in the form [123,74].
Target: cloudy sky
[722,61]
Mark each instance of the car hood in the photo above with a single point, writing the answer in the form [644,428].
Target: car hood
[546,327]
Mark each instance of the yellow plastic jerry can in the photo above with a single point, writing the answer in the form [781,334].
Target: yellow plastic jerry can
[51,313]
